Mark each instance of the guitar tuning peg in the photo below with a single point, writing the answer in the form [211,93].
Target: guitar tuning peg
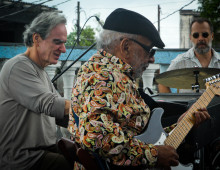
[207,79]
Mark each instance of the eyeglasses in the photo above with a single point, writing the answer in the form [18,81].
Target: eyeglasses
[147,49]
[204,34]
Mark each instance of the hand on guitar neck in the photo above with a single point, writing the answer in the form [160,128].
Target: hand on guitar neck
[199,116]
[167,155]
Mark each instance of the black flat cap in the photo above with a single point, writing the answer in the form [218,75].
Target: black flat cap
[126,21]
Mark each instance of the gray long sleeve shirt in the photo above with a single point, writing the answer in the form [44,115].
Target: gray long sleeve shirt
[29,105]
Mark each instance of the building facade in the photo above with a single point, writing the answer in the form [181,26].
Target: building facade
[186,17]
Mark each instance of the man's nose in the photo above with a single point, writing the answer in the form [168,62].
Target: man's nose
[62,48]
[201,37]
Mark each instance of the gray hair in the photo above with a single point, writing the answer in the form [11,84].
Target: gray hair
[200,21]
[42,25]
[108,39]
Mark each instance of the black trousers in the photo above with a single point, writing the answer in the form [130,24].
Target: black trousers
[52,160]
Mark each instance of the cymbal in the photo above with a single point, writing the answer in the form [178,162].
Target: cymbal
[184,78]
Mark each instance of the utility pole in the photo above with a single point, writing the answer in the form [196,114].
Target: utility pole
[78,22]
[159,18]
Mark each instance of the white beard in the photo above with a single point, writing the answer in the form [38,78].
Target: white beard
[203,50]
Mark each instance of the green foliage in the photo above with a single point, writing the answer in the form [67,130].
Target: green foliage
[211,9]
[87,37]
[71,38]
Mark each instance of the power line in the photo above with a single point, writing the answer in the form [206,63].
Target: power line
[23,9]
[69,12]
[9,4]
[139,6]
[175,11]
[164,3]
[17,3]
[61,3]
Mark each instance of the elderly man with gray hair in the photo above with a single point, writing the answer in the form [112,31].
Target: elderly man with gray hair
[107,102]
[30,106]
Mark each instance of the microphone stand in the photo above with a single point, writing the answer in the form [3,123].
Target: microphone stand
[58,75]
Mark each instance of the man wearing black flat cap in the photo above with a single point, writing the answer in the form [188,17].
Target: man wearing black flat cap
[106,100]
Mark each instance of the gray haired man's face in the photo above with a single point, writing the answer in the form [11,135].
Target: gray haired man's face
[140,59]
[201,37]
[50,49]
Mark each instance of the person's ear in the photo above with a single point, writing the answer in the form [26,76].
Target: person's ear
[212,34]
[125,46]
[36,38]
[190,37]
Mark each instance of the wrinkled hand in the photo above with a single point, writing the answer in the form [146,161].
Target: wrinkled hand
[200,116]
[167,157]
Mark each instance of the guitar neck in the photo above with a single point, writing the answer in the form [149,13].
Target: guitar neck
[185,125]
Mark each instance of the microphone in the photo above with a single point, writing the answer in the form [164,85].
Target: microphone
[97,18]
[58,75]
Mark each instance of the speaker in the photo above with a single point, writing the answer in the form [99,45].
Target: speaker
[209,130]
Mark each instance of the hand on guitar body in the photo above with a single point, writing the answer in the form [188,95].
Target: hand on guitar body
[167,157]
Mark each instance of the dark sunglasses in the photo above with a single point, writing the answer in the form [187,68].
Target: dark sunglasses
[148,49]
[204,34]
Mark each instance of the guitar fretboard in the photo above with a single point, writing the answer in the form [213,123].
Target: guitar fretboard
[185,125]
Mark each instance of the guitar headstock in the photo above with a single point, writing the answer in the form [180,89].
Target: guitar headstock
[214,82]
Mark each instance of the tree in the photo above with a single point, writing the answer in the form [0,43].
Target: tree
[210,9]
[86,38]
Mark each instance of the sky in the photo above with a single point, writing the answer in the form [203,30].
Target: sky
[169,27]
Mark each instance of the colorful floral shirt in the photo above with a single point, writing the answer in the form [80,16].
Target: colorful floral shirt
[111,112]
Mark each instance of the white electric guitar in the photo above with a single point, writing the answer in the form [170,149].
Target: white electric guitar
[156,135]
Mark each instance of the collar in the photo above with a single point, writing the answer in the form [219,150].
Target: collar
[190,54]
[117,63]
[216,54]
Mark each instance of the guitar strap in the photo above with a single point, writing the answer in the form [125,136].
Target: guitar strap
[76,118]
[148,100]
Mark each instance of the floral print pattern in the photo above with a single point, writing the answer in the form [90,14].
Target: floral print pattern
[111,112]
